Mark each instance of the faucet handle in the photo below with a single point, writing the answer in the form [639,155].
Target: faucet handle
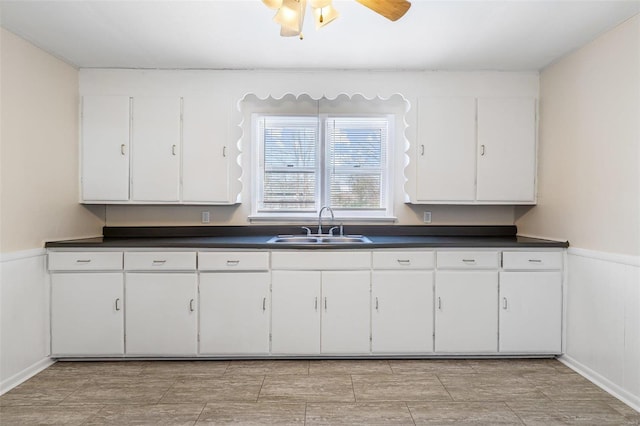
[308,230]
[332,229]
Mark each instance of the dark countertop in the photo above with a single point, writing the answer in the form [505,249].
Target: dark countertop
[256,238]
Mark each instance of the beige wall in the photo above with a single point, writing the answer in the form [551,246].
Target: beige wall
[39,150]
[589,147]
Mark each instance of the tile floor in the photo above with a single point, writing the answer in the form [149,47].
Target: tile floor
[324,392]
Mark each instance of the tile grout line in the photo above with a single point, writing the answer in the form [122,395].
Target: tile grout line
[514,412]
[445,388]
[200,415]
[264,378]
[353,389]
[166,392]
[410,413]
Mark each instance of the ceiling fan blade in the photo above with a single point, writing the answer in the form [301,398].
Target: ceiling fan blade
[390,9]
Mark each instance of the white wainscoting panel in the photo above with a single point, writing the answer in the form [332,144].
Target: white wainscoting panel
[603,321]
[24,317]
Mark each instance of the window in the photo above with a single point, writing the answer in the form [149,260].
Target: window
[306,162]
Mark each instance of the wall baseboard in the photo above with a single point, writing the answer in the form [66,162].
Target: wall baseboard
[607,385]
[24,375]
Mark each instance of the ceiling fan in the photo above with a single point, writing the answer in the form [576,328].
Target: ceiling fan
[290,13]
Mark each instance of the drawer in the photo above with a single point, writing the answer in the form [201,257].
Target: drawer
[85,261]
[160,261]
[531,260]
[467,260]
[233,261]
[403,259]
[321,260]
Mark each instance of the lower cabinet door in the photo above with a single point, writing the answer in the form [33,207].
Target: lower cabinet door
[531,312]
[87,314]
[402,316]
[295,318]
[234,313]
[466,312]
[162,314]
[346,312]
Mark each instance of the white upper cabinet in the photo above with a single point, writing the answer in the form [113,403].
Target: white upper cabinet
[105,148]
[156,149]
[476,151]
[205,150]
[506,149]
[446,158]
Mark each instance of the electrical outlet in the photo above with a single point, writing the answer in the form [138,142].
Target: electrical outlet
[427,217]
[206,217]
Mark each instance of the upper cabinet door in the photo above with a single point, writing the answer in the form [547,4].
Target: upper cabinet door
[446,162]
[205,172]
[506,150]
[105,148]
[156,150]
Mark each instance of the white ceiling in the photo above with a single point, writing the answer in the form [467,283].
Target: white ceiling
[239,34]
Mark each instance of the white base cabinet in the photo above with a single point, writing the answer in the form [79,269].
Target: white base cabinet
[179,303]
[402,313]
[346,312]
[531,312]
[87,314]
[320,312]
[466,312]
[162,315]
[295,318]
[234,313]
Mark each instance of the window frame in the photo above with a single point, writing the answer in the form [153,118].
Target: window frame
[322,170]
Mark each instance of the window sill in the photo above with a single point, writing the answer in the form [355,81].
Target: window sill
[325,219]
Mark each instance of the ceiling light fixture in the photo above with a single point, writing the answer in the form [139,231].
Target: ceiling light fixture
[290,14]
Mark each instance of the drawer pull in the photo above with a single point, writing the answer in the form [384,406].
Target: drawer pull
[535,260]
[504,303]
[191,308]
[469,260]
[404,261]
[233,262]
[159,262]
[117,304]
[264,303]
[83,261]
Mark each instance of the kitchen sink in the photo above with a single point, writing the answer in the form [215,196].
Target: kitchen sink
[320,239]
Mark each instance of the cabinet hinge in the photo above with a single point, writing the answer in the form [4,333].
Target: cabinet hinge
[269,336]
[198,338]
[370,338]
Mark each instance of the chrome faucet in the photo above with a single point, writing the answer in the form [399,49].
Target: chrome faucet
[320,217]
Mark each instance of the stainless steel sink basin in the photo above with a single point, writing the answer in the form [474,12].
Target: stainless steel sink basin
[320,239]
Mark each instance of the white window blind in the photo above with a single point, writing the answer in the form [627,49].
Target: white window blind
[305,162]
[357,163]
[289,163]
